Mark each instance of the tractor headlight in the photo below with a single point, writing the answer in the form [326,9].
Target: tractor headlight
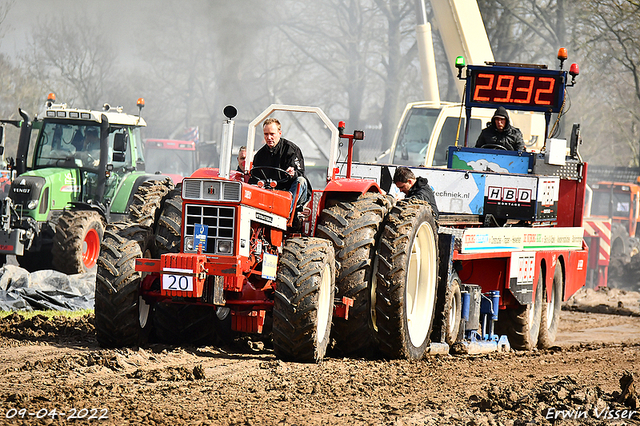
[188,243]
[224,246]
[32,204]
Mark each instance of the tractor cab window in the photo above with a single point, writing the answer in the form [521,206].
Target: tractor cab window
[605,202]
[451,132]
[413,140]
[119,148]
[68,144]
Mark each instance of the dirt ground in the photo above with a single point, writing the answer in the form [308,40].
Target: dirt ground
[589,378]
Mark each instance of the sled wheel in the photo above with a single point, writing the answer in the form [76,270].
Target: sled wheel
[522,324]
[407,280]
[453,310]
[353,228]
[77,239]
[551,311]
[122,317]
[303,305]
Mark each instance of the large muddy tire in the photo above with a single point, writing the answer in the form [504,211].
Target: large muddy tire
[169,223]
[407,280]
[145,206]
[551,311]
[522,324]
[353,228]
[76,243]
[122,317]
[303,305]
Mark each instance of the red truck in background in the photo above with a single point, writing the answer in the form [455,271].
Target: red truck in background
[175,158]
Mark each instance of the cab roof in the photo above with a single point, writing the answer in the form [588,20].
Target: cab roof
[115,115]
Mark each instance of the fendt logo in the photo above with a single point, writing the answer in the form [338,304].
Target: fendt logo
[509,195]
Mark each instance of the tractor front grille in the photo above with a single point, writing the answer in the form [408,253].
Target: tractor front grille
[220,228]
[211,190]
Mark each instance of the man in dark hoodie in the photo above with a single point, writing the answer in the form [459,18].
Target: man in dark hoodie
[283,154]
[500,132]
[413,187]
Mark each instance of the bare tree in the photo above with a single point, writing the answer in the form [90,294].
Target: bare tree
[73,55]
[611,57]
[527,30]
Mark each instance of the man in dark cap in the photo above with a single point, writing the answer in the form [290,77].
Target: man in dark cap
[413,187]
[500,133]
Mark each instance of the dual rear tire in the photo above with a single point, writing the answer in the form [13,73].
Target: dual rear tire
[406,285]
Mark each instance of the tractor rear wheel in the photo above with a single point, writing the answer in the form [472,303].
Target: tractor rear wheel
[407,280]
[76,243]
[353,227]
[303,305]
[551,311]
[147,200]
[522,324]
[122,317]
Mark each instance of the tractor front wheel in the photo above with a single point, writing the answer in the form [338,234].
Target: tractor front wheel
[303,306]
[76,243]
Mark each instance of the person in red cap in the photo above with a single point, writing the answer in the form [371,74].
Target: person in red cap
[500,134]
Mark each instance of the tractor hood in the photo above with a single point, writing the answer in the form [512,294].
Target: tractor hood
[39,191]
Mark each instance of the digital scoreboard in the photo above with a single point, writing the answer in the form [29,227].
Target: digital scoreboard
[529,89]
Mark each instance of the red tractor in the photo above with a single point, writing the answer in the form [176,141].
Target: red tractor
[222,257]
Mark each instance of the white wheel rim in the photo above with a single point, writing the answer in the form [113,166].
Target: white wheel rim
[532,308]
[453,315]
[143,306]
[143,312]
[222,312]
[550,308]
[324,304]
[420,290]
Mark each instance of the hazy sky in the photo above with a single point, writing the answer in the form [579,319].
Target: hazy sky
[124,19]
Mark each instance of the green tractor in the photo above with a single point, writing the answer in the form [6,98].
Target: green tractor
[86,169]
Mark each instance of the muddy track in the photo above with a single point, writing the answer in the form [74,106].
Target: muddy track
[57,364]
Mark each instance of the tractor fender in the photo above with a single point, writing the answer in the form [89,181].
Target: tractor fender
[91,206]
[127,188]
[341,187]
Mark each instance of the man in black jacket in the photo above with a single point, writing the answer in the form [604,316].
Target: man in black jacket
[413,187]
[500,132]
[283,154]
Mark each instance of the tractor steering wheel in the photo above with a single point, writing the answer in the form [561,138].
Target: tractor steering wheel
[267,172]
[494,146]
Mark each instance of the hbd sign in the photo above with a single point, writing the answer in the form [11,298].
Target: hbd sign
[509,195]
